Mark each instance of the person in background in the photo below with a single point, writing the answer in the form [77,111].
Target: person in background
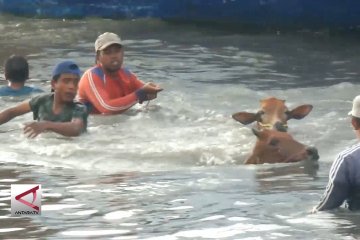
[344,177]
[16,73]
[108,87]
[57,111]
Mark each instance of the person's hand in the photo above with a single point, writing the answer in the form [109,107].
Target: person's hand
[148,92]
[34,128]
[151,88]
[150,96]
[314,210]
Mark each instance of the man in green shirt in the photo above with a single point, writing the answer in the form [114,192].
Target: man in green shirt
[57,111]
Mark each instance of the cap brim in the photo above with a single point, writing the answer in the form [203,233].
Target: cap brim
[77,73]
[108,44]
[350,113]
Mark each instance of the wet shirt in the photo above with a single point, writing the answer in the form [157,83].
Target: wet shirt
[108,94]
[41,106]
[26,90]
[344,181]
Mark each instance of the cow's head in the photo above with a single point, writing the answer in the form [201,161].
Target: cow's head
[279,147]
[273,114]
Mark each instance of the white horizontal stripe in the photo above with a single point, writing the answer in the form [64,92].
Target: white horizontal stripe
[101,101]
[335,166]
[333,172]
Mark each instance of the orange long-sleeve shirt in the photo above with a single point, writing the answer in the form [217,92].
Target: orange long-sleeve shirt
[107,94]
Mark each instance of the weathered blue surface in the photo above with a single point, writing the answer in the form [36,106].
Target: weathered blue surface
[341,14]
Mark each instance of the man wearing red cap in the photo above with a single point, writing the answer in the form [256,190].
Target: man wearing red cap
[108,88]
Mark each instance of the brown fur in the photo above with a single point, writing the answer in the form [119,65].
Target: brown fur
[279,147]
[273,114]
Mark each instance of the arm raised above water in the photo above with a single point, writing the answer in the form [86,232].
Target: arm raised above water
[15,111]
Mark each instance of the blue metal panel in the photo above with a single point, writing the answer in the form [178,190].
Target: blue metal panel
[343,14]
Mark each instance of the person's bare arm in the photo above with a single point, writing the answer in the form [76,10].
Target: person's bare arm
[13,112]
[68,129]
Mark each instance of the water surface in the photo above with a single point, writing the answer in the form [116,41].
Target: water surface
[172,169]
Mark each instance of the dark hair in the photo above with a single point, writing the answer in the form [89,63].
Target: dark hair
[16,69]
[97,56]
[55,78]
[357,120]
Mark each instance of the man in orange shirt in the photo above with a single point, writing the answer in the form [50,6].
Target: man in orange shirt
[108,88]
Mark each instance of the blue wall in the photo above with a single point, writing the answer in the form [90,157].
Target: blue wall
[343,14]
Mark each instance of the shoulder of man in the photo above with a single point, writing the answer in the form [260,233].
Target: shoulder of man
[79,105]
[350,152]
[127,71]
[40,99]
[5,91]
[353,157]
[129,75]
[80,109]
[44,96]
[94,71]
[346,160]
[34,89]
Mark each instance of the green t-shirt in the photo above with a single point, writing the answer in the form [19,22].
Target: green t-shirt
[41,106]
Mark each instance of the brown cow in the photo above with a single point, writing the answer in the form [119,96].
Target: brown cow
[279,147]
[273,114]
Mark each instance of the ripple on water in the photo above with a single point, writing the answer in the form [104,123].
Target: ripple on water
[93,233]
[82,213]
[212,218]
[57,207]
[9,180]
[228,231]
[121,214]
[5,230]
[180,208]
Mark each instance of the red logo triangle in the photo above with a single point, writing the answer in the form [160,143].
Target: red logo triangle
[33,191]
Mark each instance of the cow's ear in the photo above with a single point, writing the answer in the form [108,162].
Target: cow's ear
[256,132]
[300,111]
[260,134]
[245,117]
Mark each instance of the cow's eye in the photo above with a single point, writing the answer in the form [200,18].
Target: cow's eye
[274,142]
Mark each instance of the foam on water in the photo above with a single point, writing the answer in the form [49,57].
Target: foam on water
[93,233]
[180,134]
[228,231]
[119,215]
[5,230]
